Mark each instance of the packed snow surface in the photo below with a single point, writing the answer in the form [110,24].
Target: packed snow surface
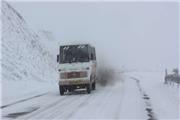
[137,95]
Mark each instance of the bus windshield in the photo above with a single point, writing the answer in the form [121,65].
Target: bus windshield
[74,53]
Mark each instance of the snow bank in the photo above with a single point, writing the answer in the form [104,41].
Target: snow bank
[165,98]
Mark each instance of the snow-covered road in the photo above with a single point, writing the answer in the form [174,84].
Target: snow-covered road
[121,100]
[126,99]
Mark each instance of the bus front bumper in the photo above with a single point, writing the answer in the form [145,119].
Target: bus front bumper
[74,82]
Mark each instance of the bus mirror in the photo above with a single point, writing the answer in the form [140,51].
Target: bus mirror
[58,58]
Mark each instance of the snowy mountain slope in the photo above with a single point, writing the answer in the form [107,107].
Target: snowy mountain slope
[24,59]
[48,41]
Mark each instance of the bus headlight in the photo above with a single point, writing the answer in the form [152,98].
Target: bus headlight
[63,75]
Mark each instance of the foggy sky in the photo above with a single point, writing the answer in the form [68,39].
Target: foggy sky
[138,35]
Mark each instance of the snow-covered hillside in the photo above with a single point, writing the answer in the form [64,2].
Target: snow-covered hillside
[25,60]
[49,42]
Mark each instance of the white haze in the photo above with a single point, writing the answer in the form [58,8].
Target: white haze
[136,35]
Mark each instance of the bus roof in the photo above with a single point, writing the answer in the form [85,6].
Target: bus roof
[74,44]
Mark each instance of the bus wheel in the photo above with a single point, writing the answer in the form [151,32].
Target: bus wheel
[88,88]
[94,86]
[61,90]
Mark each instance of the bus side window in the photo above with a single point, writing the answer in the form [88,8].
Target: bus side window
[94,54]
[57,58]
[92,57]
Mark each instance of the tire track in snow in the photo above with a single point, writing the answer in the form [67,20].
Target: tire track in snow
[68,112]
[70,106]
[63,111]
[61,107]
[34,111]
[23,100]
[43,112]
[17,114]
[76,108]
[149,110]
[98,106]
[120,104]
